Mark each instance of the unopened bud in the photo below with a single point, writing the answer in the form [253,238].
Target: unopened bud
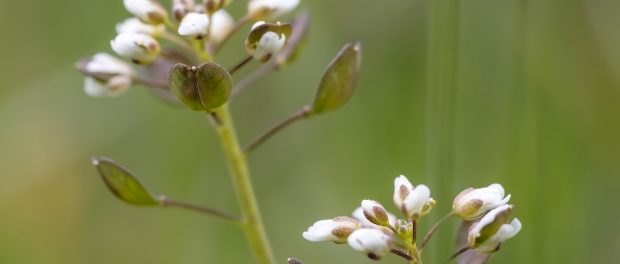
[134,25]
[472,203]
[270,9]
[212,6]
[149,11]
[375,212]
[373,242]
[180,8]
[336,230]
[194,25]
[106,75]
[140,48]
[221,25]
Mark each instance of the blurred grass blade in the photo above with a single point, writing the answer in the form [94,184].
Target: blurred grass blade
[202,88]
[122,183]
[338,83]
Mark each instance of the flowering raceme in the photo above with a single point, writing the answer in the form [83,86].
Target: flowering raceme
[378,232]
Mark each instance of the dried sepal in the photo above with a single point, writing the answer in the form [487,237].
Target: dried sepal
[266,39]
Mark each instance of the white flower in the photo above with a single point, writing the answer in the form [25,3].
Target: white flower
[336,230]
[148,11]
[194,25]
[270,8]
[134,25]
[107,76]
[140,48]
[371,241]
[414,202]
[493,229]
[268,44]
[472,203]
[222,24]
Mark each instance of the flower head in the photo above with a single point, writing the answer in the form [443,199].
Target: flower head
[336,230]
[106,75]
[414,202]
[371,241]
[472,203]
[134,25]
[149,11]
[260,9]
[194,24]
[140,48]
[493,229]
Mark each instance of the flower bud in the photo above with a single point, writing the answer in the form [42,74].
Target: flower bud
[140,48]
[269,9]
[336,230]
[149,11]
[371,241]
[215,5]
[493,229]
[194,25]
[106,75]
[358,214]
[472,203]
[221,25]
[375,212]
[180,8]
[266,39]
[414,202]
[134,25]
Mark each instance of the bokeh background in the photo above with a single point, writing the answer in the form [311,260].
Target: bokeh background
[525,93]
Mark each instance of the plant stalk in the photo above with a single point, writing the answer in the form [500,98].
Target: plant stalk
[251,219]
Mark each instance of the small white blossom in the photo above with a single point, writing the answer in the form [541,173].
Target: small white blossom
[107,76]
[494,221]
[194,24]
[140,48]
[472,203]
[414,202]
[134,25]
[148,11]
[222,24]
[268,44]
[371,241]
[270,8]
[336,230]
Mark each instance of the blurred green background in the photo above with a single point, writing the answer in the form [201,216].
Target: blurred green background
[533,103]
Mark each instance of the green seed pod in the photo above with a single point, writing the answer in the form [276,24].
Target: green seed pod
[202,88]
[338,83]
[123,184]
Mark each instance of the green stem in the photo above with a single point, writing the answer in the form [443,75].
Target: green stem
[251,219]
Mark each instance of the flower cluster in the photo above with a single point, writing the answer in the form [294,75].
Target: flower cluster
[191,29]
[374,231]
